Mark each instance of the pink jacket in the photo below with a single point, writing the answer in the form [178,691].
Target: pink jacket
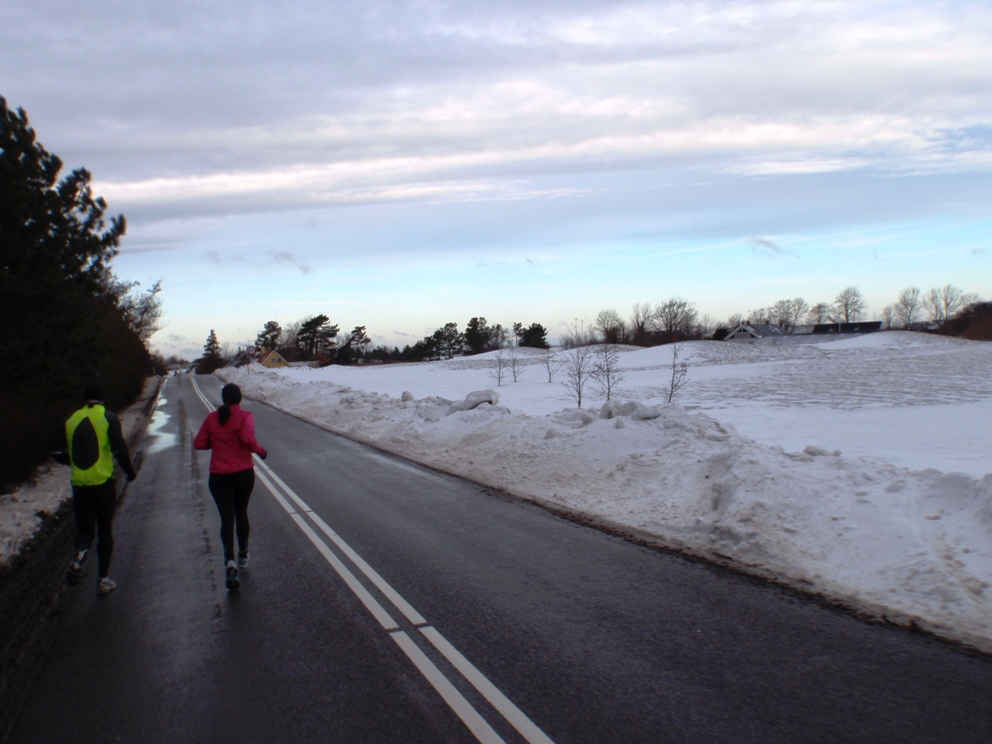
[232,443]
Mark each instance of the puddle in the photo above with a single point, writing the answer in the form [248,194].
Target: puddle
[160,439]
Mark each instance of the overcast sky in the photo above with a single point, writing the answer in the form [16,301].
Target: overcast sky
[400,165]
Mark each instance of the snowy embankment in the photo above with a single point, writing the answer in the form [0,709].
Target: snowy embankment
[747,470]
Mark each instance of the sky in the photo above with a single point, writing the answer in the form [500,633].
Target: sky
[400,165]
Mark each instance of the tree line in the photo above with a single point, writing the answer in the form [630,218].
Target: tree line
[677,319]
[315,339]
[67,316]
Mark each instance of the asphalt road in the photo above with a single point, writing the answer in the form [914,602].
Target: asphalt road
[388,603]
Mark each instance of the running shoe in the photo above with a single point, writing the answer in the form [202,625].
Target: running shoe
[232,575]
[75,570]
[242,559]
[106,585]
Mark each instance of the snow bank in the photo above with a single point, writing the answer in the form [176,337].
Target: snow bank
[912,545]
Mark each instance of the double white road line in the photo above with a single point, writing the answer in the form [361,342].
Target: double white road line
[303,516]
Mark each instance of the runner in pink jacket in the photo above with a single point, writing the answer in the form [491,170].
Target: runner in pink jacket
[229,432]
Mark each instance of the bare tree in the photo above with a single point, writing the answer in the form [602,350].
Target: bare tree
[850,305]
[941,303]
[606,369]
[289,343]
[705,327]
[908,307]
[611,325]
[887,315]
[680,372]
[759,315]
[819,313]
[799,309]
[516,363]
[781,314]
[639,322]
[550,362]
[734,320]
[578,367]
[576,335]
[498,370]
[674,317]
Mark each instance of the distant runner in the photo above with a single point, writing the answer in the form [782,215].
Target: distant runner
[230,433]
[92,438]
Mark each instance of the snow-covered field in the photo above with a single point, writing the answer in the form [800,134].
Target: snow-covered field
[858,469]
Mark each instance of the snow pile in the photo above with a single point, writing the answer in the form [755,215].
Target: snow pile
[25,510]
[913,545]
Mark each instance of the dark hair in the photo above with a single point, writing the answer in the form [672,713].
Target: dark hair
[231,395]
[94,391]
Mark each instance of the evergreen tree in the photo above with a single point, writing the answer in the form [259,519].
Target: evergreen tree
[449,341]
[478,336]
[359,341]
[63,321]
[55,247]
[535,336]
[316,336]
[211,349]
[269,335]
[212,357]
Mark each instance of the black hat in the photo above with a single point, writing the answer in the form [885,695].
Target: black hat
[230,394]
[95,391]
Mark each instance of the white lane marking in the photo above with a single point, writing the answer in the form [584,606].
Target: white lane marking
[517,718]
[371,574]
[279,497]
[348,577]
[380,583]
[462,708]
[201,396]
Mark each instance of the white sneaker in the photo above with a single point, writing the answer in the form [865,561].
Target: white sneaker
[242,559]
[232,575]
[75,570]
[106,585]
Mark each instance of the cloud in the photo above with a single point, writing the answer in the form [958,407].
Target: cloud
[978,251]
[765,246]
[287,257]
[327,104]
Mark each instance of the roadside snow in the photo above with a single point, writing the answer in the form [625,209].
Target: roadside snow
[857,469]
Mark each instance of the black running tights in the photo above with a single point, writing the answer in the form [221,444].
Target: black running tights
[93,507]
[231,492]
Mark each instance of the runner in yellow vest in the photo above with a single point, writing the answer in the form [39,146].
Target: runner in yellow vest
[93,438]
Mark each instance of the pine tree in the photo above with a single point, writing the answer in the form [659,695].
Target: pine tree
[269,335]
[55,248]
[211,349]
[62,324]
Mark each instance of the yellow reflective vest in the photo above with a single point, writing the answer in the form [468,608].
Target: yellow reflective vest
[90,452]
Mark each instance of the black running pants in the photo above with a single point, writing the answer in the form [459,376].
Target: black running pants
[231,492]
[93,507]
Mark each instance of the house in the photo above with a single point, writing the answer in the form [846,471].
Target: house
[867,327]
[766,332]
[271,358]
[751,332]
